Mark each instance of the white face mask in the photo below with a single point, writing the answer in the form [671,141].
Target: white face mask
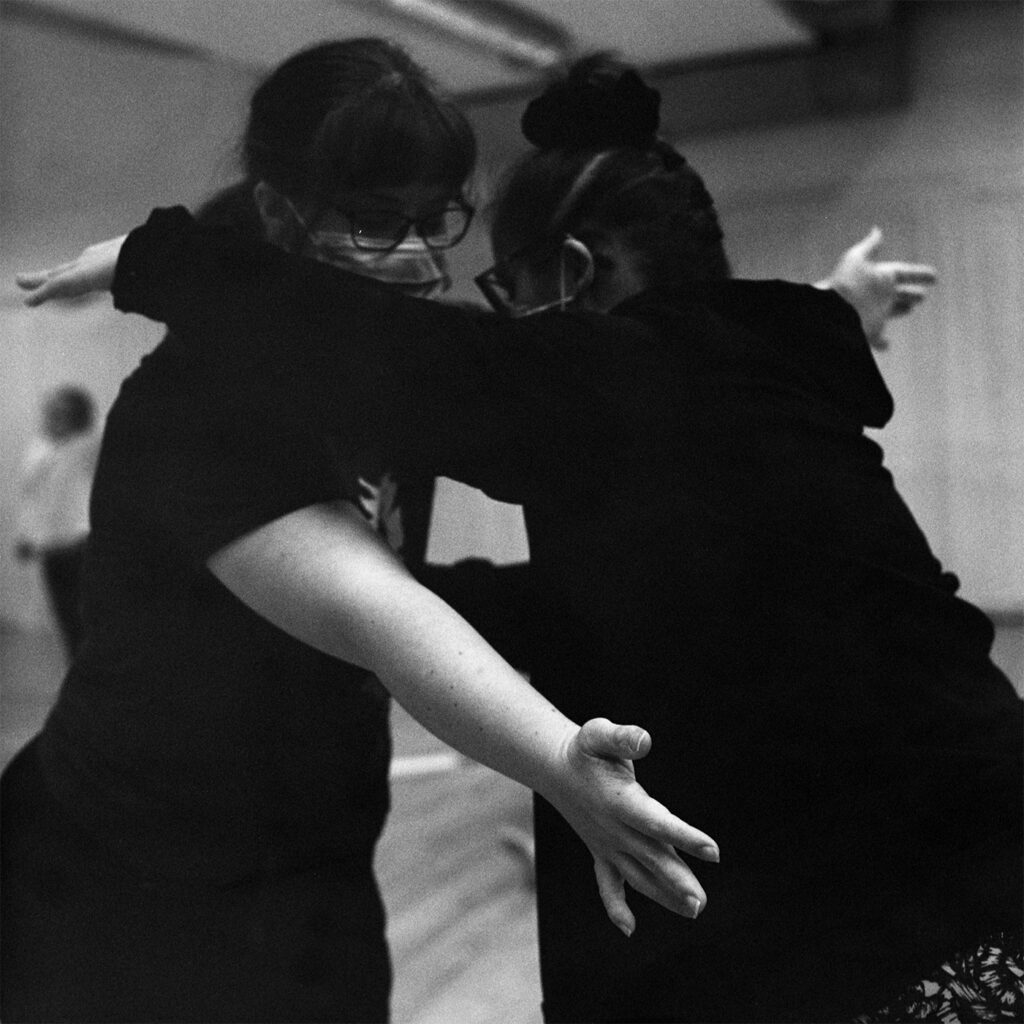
[563,300]
[411,267]
[499,290]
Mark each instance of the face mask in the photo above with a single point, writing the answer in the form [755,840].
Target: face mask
[499,294]
[563,300]
[410,267]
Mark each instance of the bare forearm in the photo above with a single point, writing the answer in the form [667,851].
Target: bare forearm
[440,669]
[322,576]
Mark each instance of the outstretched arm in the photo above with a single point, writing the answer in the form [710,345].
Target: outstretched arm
[91,271]
[323,576]
[878,289]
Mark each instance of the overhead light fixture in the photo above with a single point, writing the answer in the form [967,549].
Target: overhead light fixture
[520,37]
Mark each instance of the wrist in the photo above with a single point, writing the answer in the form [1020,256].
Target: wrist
[553,773]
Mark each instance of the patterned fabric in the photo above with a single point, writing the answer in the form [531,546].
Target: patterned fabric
[985,984]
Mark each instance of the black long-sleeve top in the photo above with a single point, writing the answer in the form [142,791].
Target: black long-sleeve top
[717,553]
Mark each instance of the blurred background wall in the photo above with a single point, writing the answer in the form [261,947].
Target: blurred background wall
[96,128]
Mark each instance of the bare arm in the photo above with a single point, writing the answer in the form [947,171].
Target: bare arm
[321,575]
[91,271]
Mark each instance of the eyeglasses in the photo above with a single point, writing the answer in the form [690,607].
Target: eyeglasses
[496,283]
[383,230]
[496,289]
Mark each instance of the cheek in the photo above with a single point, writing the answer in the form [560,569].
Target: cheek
[531,288]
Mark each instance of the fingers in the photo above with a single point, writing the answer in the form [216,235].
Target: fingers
[913,273]
[600,738]
[670,884]
[906,300]
[868,244]
[647,816]
[687,901]
[37,297]
[31,279]
[613,895]
[41,284]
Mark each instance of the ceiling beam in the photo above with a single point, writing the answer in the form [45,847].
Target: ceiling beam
[857,65]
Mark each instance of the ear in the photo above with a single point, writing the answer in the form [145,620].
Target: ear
[579,265]
[276,214]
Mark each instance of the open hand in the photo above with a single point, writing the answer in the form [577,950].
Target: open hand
[631,836]
[91,271]
[879,289]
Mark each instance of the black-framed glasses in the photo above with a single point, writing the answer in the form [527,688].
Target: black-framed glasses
[497,281]
[494,284]
[382,230]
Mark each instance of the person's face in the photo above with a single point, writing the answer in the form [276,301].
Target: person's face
[536,277]
[563,275]
[58,421]
[381,219]
[397,236]
[538,284]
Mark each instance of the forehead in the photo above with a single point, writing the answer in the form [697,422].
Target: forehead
[401,198]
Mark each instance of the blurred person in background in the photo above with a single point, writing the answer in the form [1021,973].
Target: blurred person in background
[54,486]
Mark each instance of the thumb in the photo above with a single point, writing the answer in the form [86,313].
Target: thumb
[601,738]
[869,243]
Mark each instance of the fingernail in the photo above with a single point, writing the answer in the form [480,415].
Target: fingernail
[695,906]
[710,853]
[625,929]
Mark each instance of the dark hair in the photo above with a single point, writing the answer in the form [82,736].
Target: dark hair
[233,207]
[600,170]
[350,115]
[74,405]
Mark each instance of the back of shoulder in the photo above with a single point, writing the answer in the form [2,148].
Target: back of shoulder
[164,417]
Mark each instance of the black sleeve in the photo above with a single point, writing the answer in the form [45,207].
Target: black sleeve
[503,405]
[200,463]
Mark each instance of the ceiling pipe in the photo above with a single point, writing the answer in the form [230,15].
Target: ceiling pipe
[518,37]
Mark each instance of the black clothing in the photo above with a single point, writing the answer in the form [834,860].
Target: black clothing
[88,937]
[198,758]
[718,553]
[62,573]
[985,982]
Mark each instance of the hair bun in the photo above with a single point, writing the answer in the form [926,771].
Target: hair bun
[598,106]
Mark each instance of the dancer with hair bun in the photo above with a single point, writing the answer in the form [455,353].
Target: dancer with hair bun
[716,546]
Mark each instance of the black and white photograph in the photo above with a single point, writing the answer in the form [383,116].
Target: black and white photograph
[511,511]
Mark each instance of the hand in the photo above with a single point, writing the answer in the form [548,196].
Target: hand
[631,836]
[878,290]
[92,271]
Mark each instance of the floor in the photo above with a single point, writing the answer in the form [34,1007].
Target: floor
[451,863]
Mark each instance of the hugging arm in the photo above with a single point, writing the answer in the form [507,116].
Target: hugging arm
[323,576]
[194,278]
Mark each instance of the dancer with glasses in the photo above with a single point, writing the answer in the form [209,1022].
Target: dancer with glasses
[191,836]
